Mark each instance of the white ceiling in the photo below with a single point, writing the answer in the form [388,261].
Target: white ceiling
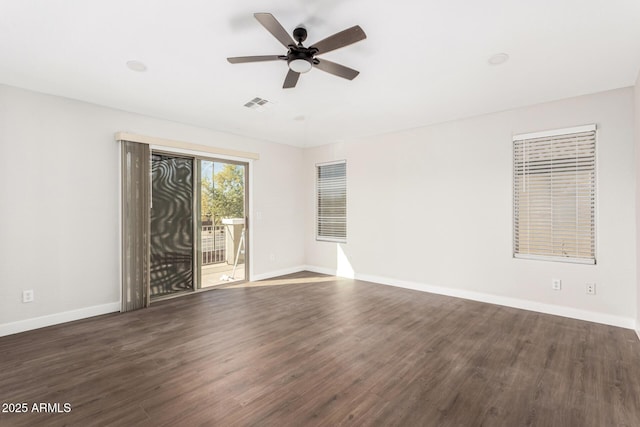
[423,62]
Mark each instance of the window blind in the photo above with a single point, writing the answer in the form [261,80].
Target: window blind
[554,195]
[331,197]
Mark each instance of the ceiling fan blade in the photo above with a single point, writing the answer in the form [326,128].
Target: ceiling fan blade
[291,79]
[272,25]
[336,69]
[241,59]
[341,39]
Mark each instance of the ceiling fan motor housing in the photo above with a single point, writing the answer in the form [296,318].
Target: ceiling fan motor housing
[300,34]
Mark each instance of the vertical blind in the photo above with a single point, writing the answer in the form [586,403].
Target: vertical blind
[331,199]
[554,195]
[135,225]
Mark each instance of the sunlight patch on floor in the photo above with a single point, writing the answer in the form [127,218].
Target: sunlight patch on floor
[280,282]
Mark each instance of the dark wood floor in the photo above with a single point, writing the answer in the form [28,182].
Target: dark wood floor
[328,352]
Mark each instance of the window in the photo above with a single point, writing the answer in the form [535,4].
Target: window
[331,197]
[554,195]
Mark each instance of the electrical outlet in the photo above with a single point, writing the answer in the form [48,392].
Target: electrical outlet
[556,284]
[272,257]
[27,296]
[591,288]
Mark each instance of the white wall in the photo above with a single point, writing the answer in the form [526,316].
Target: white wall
[637,146]
[431,209]
[59,204]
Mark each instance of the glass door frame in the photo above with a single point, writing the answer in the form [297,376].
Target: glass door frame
[197,228]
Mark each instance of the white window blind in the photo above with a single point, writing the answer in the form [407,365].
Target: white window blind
[331,199]
[554,195]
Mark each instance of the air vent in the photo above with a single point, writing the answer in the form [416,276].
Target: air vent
[259,104]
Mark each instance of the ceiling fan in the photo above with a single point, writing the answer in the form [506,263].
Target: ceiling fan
[301,59]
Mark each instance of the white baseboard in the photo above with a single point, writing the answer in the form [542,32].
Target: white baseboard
[276,273]
[54,319]
[638,332]
[321,270]
[573,313]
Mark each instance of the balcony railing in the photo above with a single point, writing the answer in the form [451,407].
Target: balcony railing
[213,244]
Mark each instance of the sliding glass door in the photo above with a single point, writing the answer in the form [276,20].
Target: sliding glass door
[198,233]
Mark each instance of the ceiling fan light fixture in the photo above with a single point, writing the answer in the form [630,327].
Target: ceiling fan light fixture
[300,65]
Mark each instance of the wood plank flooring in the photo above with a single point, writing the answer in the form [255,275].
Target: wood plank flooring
[308,349]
